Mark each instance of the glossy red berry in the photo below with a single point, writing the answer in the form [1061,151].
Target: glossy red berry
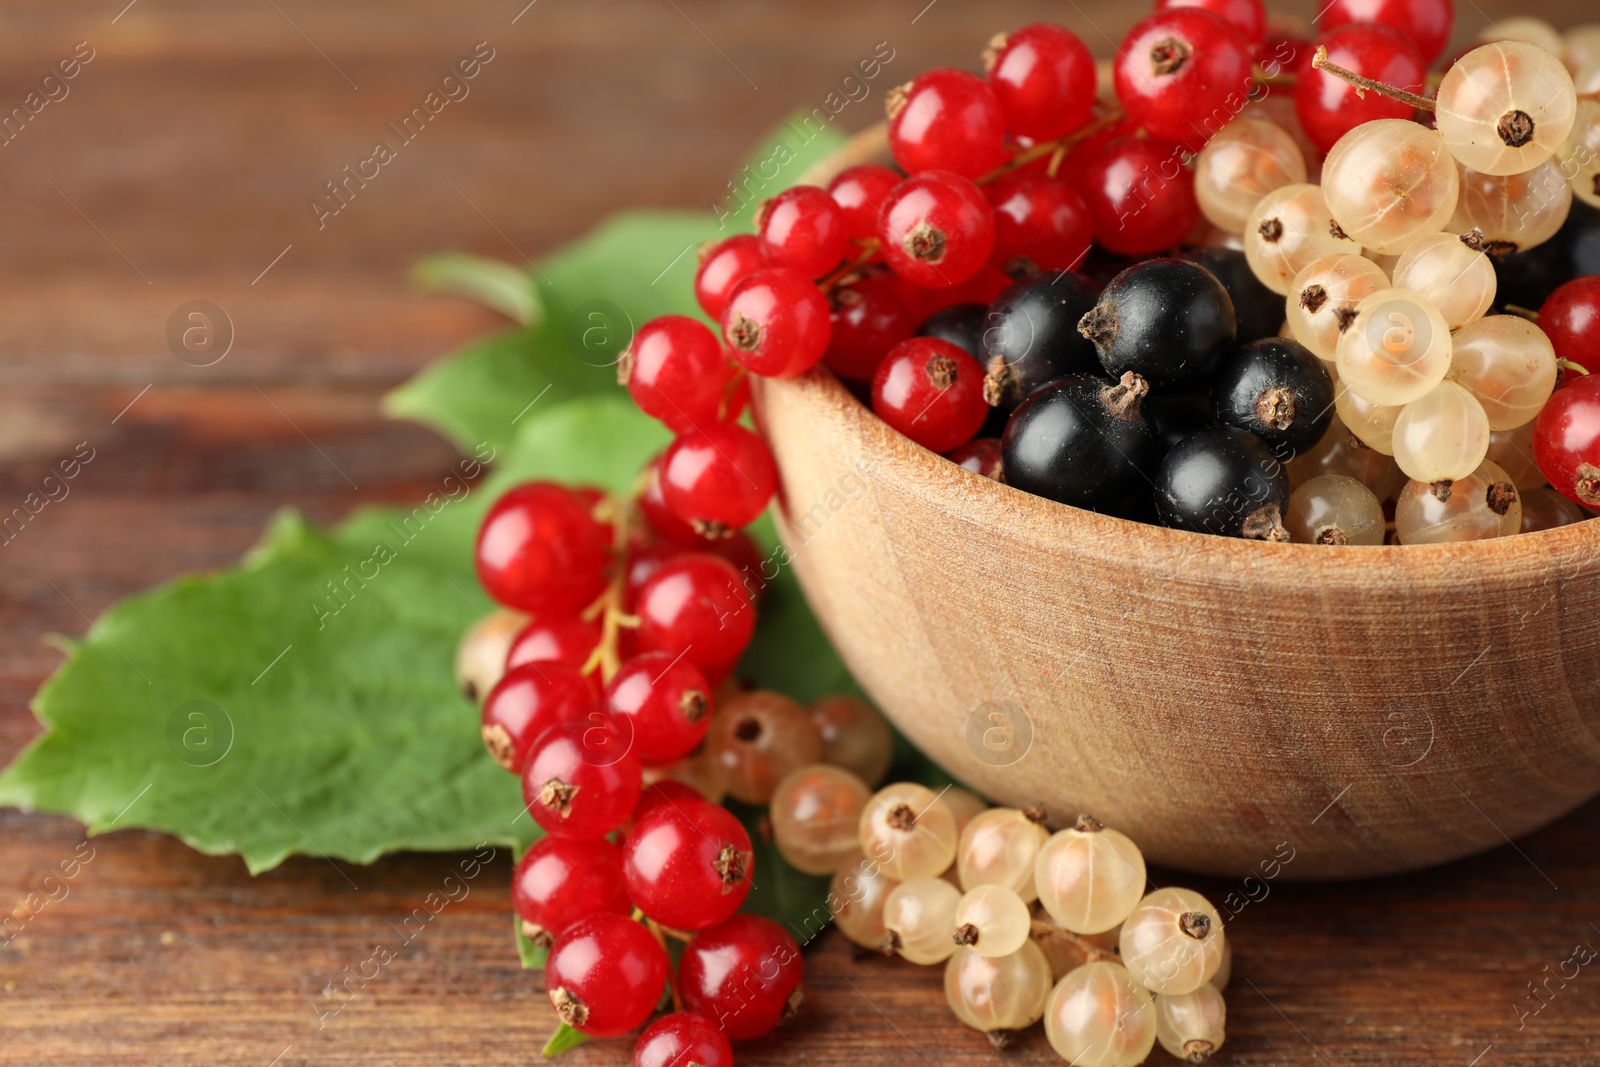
[937,229]
[605,975]
[581,779]
[981,455]
[860,193]
[744,974]
[803,230]
[565,639]
[1074,166]
[526,702]
[697,604]
[541,550]
[1249,17]
[718,478]
[668,701]
[946,119]
[676,372]
[1044,78]
[1330,107]
[1566,440]
[1182,73]
[932,392]
[776,323]
[1140,196]
[1426,22]
[869,318]
[1570,317]
[682,1039]
[688,863]
[722,266]
[559,881]
[662,520]
[1040,223]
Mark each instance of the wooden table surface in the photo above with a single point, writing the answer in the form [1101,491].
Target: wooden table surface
[179,167]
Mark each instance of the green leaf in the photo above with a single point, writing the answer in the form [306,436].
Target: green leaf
[498,285]
[563,1039]
[304,702]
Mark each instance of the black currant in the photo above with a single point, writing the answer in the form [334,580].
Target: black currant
[962,325]
[1032,336]
[1224,481]
[1257,310]
[1083,441]
[1278,390]
[1168,321]
[1178,417]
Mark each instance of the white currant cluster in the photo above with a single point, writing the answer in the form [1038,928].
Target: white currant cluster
[1035,926]
[1384,261]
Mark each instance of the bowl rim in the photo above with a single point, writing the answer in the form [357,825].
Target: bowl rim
[1576,541]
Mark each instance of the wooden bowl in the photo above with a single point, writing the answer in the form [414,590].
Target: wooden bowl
[1227,704]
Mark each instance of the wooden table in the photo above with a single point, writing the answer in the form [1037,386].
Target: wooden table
[179,167]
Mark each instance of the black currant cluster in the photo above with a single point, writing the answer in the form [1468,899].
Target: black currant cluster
[1164,397]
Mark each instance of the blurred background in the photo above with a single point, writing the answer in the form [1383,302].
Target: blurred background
[179,164]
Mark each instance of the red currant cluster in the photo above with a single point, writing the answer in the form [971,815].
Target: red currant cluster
[605,686]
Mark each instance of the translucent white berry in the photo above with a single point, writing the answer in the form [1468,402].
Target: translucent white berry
[1243,162]
[1334,510]
[1192,1026]
[998,994]
[1513,212]
[999,847]
[1089,878]
[1290,229]
[1098,1016]
[992,920]
[1505,107]
[1389,182]
[1482,505]
[1323,297]
[1396,349]
[918,916]
[1172,943]
[1450,274]
[1442,435]
[1509,365]
[908,829]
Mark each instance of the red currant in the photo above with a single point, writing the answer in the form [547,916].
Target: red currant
[937,229]
[697,604]
[869,318]
[1044,78]
[744,974]
[1075,165]
[737,547]
[1570,317]
[1182,74]
[931,391]
[581,779]
[1426,22]
[566,639]
[722,266]
[675,372]
[661,519]
[981,455]
[605,975]
[776,323]
[1331,107]
[559,881]
[718,478]
[860,193]
[1140,195]
[1248,16]
[803,230]
[688,863]
[1040,223]
[946,119]
[1566,440]
[529,700]
[541,550]
[668,701]
[683,1039]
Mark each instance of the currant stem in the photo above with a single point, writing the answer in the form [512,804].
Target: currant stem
[869,248]
[1039,151]
[660,935]
[1568,365]
[1522,312]
[1273,81]
[606,656]
[1320,62]
[1094,952]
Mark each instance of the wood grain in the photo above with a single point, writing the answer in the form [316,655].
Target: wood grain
[190,144]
